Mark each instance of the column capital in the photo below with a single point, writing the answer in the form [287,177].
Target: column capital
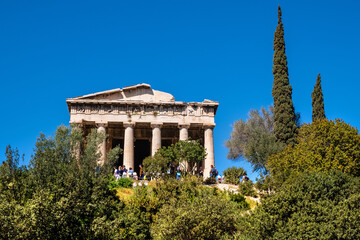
[128,124]
[184,125]
[156,125]
[208,125]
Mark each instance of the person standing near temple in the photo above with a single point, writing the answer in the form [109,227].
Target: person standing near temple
[140,172]
[213,171]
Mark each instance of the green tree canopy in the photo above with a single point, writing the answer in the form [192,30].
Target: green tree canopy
[156,164]
[190,210]
[318,111]
[209,217]
[284,113]
[254,139]
[188,154]
[322,146]
[312,206]
[56,197]
[233,174]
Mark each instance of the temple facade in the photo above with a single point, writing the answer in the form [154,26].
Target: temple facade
[142,120]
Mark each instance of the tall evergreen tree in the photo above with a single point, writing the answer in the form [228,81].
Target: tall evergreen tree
[284,114]
[318,111]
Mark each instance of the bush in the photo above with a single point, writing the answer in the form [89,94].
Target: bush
[247,188]
[312,206]
[120,183]
[209,217]
[210,180]
[233,174]
[239,199]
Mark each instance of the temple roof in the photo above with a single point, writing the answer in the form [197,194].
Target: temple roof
[141,93]
[141,104]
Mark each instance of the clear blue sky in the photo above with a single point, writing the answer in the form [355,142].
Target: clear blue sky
[219,50]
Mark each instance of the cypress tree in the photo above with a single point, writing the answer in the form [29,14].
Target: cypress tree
[318,111]
[284,113]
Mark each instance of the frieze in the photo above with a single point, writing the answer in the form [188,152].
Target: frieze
[122,109]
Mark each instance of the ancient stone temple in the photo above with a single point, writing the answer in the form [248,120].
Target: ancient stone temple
[141,120]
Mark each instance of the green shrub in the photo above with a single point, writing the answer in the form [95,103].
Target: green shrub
[239,199]
[208,217]
[247,188]
[120,183]
[311,206]
[233,174]
[210,180]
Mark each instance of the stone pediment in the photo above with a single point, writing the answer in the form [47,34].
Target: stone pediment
[140,92]
[138,103]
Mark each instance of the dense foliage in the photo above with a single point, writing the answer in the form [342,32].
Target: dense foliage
[284,113]
[208,217]
[313,206]
[322,146]
[233,174]
[122,182]
[247,188]
[58,196]
[254,139]
[318,110]
[156,165]
[64,195]
[186,154]
[163,208]
[193,211]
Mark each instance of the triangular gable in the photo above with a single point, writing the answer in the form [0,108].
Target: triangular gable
[139,92]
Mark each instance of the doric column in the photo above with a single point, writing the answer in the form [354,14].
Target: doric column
[76,142]
[156,137]
[102,146]
[209,148]
[129,145]
[183,134]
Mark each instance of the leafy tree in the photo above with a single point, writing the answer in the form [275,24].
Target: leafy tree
[318,111]
[312,206]
[284,113]
[156,164]
[233,174]
[60,199]
[254,139]
[188,154]
[322,146]
[12,183]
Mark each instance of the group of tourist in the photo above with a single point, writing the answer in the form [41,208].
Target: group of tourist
[122,171]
